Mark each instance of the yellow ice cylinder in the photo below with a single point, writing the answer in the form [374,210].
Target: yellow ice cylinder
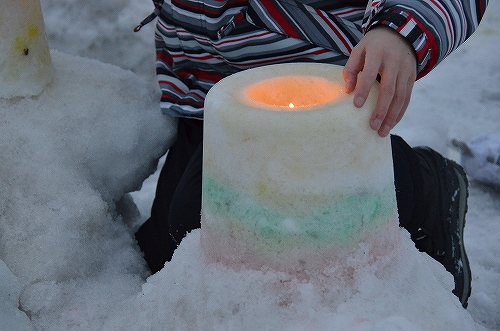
[25,63]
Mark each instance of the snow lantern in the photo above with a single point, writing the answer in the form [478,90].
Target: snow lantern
[293,176]
[25,63]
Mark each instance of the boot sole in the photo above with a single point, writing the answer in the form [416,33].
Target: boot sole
[462,210]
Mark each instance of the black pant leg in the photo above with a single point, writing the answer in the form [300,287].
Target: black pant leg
[153,236]
[185,208]
[408,181]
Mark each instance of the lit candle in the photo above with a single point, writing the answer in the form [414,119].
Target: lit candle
[291,92]
[292,173]
[25,63]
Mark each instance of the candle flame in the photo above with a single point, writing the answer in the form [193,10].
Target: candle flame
[294,92]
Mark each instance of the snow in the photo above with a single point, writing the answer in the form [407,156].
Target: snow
[68,260]
[481,158]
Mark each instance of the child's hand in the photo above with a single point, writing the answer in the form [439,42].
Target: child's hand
[382,51]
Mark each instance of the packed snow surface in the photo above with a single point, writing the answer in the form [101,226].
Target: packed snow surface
[68,260]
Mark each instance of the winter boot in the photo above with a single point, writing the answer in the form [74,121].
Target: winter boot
[442,230]
[432,196]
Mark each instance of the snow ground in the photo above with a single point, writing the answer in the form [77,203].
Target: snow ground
[66,158]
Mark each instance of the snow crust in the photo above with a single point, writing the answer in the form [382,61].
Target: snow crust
[68,260]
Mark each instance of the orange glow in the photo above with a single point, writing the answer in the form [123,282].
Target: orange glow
[294,92]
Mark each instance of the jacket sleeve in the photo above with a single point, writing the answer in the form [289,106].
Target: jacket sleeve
[434,27]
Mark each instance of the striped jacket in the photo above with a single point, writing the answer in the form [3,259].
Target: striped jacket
[200,42]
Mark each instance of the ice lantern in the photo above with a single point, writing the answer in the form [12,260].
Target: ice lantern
[293,177]
[25,63]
